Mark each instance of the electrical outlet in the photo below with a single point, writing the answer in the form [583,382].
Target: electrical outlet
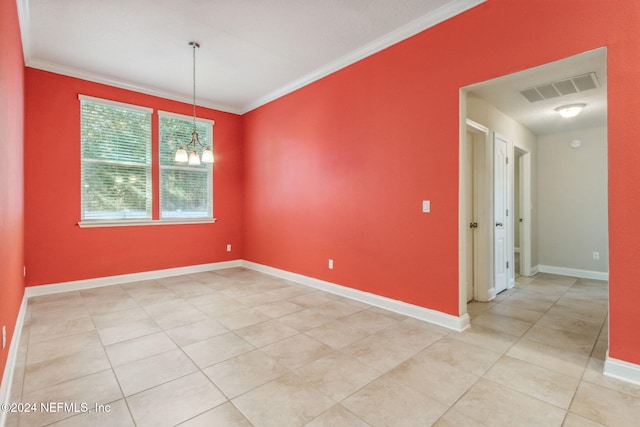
[596,255]
[331,264]
[228,248]
[4,337]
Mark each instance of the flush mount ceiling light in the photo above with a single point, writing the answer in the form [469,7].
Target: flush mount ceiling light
[571,110]
[189,152]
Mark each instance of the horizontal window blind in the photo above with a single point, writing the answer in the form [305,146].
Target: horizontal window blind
[116,161]
[186,191]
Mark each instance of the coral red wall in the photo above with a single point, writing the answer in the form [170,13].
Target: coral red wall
[11,171]
[339,168]
[57,250]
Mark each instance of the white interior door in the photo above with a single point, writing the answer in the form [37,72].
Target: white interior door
[500,203]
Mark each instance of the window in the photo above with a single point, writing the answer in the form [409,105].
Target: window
[116,161]
[116,157]
[186,192]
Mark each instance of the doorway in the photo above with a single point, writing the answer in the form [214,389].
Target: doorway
[489,104]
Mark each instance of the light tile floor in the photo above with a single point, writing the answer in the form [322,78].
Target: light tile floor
[238,348]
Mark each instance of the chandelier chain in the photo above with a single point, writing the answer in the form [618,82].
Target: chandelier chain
[195,46]
[188,153]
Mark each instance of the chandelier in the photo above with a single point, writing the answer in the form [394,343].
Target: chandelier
[189,153]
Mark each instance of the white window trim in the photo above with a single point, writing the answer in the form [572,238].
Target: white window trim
[114,103]
[135,223]
[162,113]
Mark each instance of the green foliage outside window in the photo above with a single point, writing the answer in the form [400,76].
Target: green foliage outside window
[116,162]
[185,190]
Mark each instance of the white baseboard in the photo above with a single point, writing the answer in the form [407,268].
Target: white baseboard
[535,270]
[492,293]
[574,272]
[456,323]
[619,369]
[78,285]
[9,367]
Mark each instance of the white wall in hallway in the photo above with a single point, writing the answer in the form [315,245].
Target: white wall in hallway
[572,200]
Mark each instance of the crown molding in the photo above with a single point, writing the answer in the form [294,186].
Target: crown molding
[414,27]
[97,78]
[24,21]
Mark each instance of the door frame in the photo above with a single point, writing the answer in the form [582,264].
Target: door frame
[483,254]
[526,209]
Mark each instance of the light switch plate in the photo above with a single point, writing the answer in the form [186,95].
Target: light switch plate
[426,206]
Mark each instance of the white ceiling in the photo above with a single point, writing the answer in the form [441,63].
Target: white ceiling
[252,51]
[540,117]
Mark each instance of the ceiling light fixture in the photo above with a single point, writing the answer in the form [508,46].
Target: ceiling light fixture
[571,110]
[189,152]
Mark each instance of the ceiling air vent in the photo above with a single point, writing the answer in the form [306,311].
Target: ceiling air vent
[561,87]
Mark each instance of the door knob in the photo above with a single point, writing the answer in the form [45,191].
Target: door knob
[498,224]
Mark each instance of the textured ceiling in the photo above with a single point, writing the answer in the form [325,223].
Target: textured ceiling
[540,117]
[253,51]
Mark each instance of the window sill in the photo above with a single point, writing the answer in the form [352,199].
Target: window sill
[137,223]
